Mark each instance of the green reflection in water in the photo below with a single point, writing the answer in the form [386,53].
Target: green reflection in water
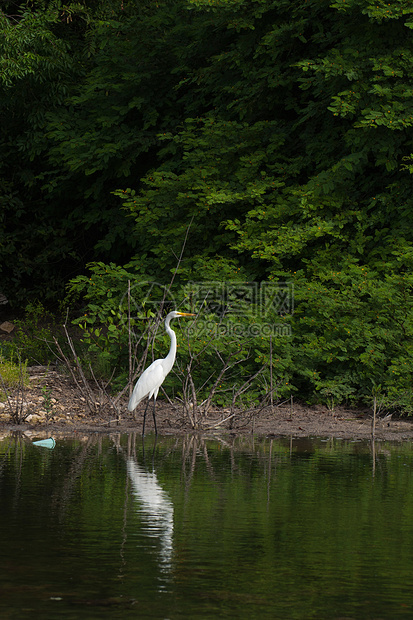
[191,527]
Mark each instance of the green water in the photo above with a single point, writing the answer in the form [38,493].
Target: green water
[98,527]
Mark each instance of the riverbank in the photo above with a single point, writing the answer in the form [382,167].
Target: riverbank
[53,405]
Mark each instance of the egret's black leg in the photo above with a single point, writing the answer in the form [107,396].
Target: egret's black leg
[154,418]
[144,418]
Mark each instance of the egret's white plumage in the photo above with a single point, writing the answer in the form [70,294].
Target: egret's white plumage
[152,378]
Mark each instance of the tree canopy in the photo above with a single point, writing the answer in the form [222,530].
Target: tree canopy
[274,137]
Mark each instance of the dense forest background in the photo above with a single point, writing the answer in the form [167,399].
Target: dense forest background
[238,141]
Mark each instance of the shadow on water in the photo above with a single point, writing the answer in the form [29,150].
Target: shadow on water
[205,526]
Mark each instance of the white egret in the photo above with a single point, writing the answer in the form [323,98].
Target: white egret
[152,378]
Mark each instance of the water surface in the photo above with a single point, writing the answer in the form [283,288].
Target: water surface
[205,528]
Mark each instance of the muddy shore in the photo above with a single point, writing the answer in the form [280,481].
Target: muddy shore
[53,405]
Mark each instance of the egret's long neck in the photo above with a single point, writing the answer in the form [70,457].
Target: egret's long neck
[170,358]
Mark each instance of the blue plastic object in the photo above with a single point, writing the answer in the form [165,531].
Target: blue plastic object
[45,443]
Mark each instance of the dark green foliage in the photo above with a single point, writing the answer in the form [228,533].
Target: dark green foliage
[267,140]
[33,336]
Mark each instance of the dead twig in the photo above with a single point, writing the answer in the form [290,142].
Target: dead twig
[97,398]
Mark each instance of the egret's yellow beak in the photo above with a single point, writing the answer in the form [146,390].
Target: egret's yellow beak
[186,314]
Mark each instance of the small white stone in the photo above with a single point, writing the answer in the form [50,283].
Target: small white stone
[33,417]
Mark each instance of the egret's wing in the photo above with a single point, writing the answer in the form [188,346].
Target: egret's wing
[149,382]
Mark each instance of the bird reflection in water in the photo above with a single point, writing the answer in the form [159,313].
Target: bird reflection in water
[156,509]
